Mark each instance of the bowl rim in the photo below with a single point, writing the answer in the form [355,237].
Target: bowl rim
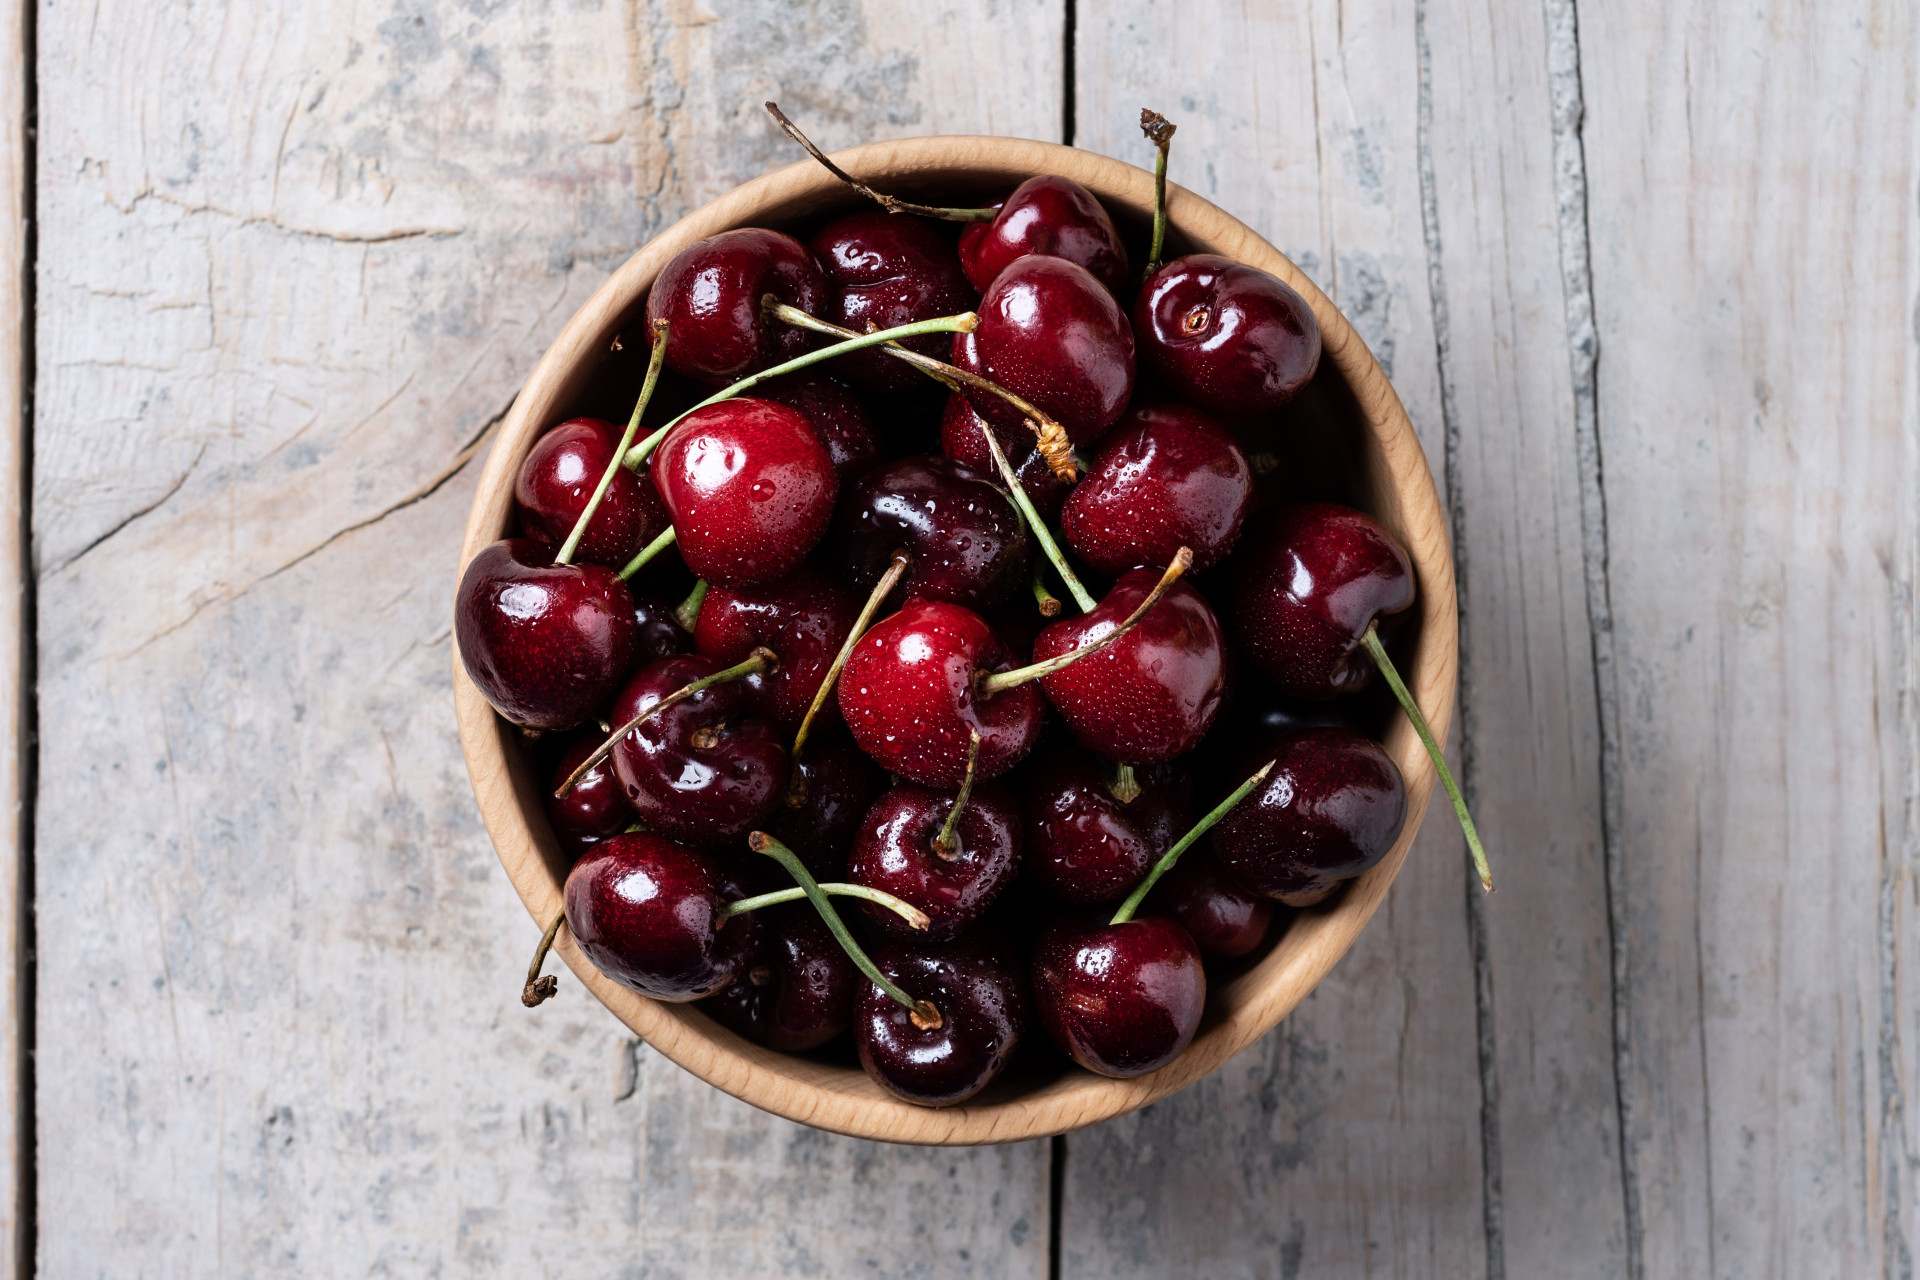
[1242,1008]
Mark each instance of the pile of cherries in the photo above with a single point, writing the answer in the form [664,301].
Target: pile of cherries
[857,676]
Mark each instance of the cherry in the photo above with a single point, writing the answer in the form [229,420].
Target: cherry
[1119,999]
[594,807]
[802,618]
[1232,339]
[975,984]
[1167,476]
[840,416]
[660,634]
[1150,695]
[558,479]
[965,541]
[1222,918]
[1049,216]
[1332,807]
[750,487]
[711,293]
[884,269]
[899,849]
[795,992]
[1084,843]
[1053,334]
[961,439]
[647,913]
[831,787]
[546,644]
[701,769]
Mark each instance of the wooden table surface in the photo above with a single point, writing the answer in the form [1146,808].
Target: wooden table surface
[1645,273]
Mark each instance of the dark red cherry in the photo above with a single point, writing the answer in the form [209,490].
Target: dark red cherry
[976,983]
[910,694]
[711,295]
[646,912]
[829,791]
[595,807]
[1053,217]
[1305,585]
[1332,807]
[661,636]
[796,991]
[1166,477]
[750,488]
[1052,334]
[804,618]
[966,541]
[1083,843]
[961,440]
[1221,916]
[558,479]
[885,270]
[547,644]
[703,770]
[1150,695]
[840,416]
[1231,339]
[1119,999]
[895,851]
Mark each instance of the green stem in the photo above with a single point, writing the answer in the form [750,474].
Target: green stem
[1020,675]
[1379,651]
[648,552]
[1159,131]
[654,362]
[538,989]
[879,593]
[962,323]
[687,612]
[762,659]
[914,916]
[1185,842]
[892,204]
[1041,533]
[946,845]
[925,1015]
[1048,602]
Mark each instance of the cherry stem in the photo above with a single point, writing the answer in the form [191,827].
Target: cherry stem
[1041,534]
[914,916]
[1048,602]
[762,659]
[892,204]
[538,989]
[648,553]
[761,842]
[881,590]
[1124,786]
[1049,436]
[1003,680]
[947,843]
[1379,651]
[654,362]
[687,612]
[1159,131]
[1185,842]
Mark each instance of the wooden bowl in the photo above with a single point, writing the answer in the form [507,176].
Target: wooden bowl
[1368,427]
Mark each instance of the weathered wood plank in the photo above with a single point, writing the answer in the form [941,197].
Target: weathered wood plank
[16,748]
[295,260]
[1753,245]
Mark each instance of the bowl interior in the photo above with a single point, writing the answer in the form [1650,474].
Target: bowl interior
[1348,440]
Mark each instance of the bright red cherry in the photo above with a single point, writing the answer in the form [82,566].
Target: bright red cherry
[888,269]
[547,644]
[1120,999]
[647,913]
[1165,477]
[961,440]
[1232,339]
[1085,844]
[965,540]
[750,487]
[595,807]
[803,618]
[796,991]
[1223,918]
[898,850]
[1053,217]
[1052,334]
[702,770]
[558,479]
[840,416]
[1306,585]
[911,695]
[976,984]
[710,295]
[831,787]
[1332,807]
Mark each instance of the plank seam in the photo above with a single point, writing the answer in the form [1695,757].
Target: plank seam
[26,1128]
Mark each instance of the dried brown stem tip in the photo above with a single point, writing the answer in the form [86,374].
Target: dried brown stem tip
[892,204]
[538,989]
[1158,128]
